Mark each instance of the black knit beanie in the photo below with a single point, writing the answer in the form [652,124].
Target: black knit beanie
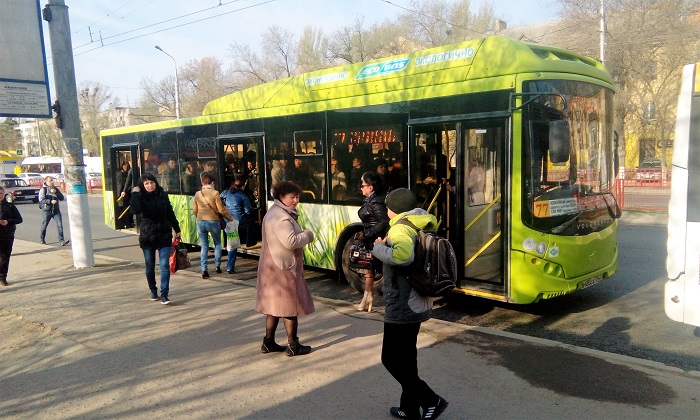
[400,200]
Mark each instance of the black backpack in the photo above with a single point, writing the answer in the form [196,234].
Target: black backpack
[433,271]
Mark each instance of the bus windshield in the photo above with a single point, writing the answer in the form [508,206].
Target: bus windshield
[567,158]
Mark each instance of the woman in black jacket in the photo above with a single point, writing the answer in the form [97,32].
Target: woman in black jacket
[375,225]
[9,218]
[157,223]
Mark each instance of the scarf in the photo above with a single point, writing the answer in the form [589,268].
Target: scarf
[292,212]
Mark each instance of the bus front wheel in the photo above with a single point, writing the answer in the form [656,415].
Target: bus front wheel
[354,276]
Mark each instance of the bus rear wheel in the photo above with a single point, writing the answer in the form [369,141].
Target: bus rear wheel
[354,276]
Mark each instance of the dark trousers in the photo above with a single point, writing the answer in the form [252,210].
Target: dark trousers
[5,251]
[245,230]
[400,358]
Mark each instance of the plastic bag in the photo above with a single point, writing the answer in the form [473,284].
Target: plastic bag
[233,241]
[173,256]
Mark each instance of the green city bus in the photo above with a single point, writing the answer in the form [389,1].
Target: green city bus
[509,144]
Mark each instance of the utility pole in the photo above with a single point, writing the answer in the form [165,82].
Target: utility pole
[177,84]
[68,121]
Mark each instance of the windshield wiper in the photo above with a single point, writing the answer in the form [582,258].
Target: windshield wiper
[562,226]
[615,213]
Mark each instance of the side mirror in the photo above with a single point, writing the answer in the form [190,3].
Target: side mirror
[559,141]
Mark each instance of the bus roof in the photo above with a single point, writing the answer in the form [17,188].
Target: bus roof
[483,64]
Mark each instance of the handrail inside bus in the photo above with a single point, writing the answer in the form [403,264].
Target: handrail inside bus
[434,201]
[482,212]
[536,95]
[311,193]
[483,248]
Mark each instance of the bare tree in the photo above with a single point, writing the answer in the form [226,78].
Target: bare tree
[50,138]
[279,49]
[93,101]
[313,50]
[202,81]
[440,22]
[158,95]
[355,43]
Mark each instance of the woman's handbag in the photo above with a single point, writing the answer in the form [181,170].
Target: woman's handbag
[178,256]
[233,240]
[360,257]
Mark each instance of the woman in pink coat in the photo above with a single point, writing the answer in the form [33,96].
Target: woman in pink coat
[282,291]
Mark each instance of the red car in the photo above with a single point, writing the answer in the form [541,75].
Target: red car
[20,190]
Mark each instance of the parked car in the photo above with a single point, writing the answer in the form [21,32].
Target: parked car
[8,175]
[93,180]
[20,190]
[33,179]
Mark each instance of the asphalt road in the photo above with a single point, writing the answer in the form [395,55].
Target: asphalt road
[622,315]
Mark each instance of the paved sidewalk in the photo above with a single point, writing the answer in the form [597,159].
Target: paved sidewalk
[90,344]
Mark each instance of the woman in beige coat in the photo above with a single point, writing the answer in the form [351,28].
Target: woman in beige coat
[281,290]
[207,209]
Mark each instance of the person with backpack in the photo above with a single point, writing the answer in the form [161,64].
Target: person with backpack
[405,309]
[49,197]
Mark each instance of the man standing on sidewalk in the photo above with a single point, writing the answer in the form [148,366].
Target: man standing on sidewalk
[49,196]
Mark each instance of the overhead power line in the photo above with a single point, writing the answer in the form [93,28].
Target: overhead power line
[103,44]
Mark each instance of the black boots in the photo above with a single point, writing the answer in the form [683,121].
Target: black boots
[293,349]
[296,349]
[269,346]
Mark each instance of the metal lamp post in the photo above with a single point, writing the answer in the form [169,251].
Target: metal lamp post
[177,84]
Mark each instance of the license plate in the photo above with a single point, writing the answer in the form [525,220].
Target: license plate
[590,282]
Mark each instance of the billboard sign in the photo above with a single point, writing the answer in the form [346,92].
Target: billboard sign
[24,84]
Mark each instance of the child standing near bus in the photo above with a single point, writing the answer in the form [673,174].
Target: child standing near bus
[405,309]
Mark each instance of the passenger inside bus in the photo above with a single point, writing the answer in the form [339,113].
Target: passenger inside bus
[355,175]
[476,181]
[278,173]
[210,168]
[383,172]
[189,179]
[169,178]
[252,181]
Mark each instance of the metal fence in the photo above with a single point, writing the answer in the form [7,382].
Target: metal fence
[644,189]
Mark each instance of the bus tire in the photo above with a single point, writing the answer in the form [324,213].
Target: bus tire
[354,276]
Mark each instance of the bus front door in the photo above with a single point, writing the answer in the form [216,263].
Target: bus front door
[124,173]
[456,174]
[482,187]
[242,156]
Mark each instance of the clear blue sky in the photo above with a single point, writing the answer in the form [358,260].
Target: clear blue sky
[128,54]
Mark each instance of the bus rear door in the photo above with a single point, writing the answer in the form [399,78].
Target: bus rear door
[125,174]
[242,155]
